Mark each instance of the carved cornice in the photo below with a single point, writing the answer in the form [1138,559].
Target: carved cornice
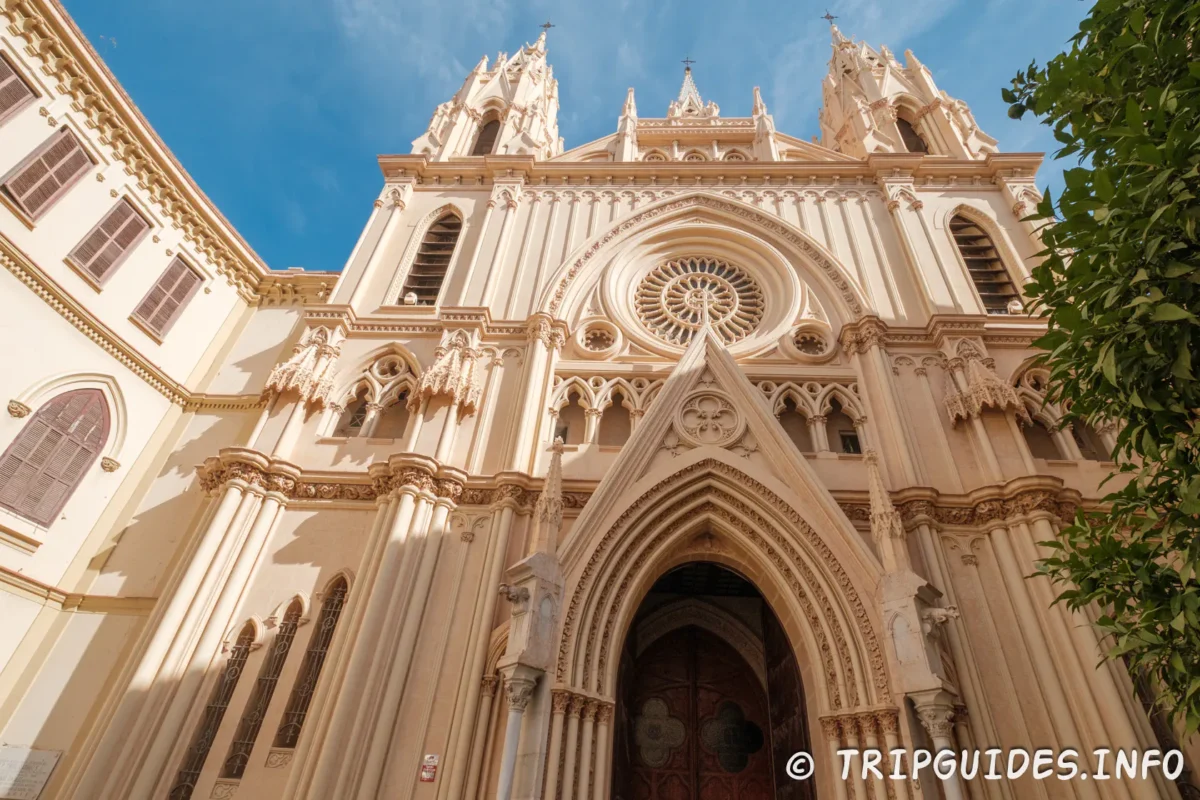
[97,97]
[980,509]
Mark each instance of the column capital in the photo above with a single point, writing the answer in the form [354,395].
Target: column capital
[519,692]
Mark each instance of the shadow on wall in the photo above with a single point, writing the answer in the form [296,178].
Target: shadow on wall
[61,697]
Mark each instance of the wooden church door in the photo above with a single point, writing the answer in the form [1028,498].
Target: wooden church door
[696,724]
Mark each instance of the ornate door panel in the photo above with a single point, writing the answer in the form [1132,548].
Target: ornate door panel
[698,724]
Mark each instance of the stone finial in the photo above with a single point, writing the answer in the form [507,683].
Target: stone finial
[886,527]
[309,370]
[549,506]
[451,375]
[630,109]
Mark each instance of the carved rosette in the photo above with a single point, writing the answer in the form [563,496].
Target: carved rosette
[109,464]
[18,409]
[452,374]
[309,371]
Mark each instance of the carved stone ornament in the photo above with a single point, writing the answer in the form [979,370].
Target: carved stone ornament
[679,297]
[519,692]
[934,618]
[309,371]
[938,719]
[452,374]
[109,464]
[984,388]
[18,409]
[277,759]
[709,418]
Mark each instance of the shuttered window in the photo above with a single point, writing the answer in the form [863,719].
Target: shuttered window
[486,140]
[310,669]
[913,142]
[429,267]
[161,306]
[47,174]
[107,244]
[45,463]
[14,92]
[983,262]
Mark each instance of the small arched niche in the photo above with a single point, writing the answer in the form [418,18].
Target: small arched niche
[795,425]
[615,424]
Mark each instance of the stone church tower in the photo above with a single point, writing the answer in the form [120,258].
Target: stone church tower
[620,471]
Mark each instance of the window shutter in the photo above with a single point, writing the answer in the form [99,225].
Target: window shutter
[162,305]
[50,172]
[51,454]
[432,260]
[107,243]
[14,92]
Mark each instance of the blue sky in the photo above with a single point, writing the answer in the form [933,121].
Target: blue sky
[278,107]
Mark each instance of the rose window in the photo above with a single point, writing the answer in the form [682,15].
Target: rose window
[674,300]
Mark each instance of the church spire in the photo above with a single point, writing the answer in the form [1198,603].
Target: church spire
[689,103]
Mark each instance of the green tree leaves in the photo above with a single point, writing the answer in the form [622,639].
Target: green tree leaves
[1119,285]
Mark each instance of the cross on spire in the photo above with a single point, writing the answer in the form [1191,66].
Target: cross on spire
[687,63]
[828,17]
[547,25]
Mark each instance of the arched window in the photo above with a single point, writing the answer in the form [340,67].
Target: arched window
[795,425]
[393,420]
[486,141]
[983,262]
[571,426]
[354,416]
[214,712]
[310,669]
[429,267]
[45,463]
[256,707]
[1091,446]
[913,142]
[843,436]
[615,423]
[1041,441]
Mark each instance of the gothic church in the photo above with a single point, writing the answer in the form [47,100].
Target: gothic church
[620,471]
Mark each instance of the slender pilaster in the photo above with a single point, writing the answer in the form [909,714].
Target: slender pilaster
[560,699]
[488,688]
[937,716]
[518,691]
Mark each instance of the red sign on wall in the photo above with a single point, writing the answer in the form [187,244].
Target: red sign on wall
[429,769]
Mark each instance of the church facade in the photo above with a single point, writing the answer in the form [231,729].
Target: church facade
[627,470]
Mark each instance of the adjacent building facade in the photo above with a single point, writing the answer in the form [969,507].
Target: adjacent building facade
[626,470]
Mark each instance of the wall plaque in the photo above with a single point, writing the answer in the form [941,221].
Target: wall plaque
[24,771]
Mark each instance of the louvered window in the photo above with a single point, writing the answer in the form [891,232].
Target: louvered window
[160,308]
[47,174]
[15,93]
[260,700]
[991,279]
[913,142]
[310,669]
[45,463]
[486,141]
[214,712]
[107,244]
[429,268]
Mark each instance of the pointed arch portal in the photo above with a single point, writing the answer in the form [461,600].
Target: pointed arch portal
[710,701]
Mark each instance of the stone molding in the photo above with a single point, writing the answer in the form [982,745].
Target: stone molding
[861,724]
[71,63]
[44,594]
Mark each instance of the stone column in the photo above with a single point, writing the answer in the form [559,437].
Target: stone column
[448,492]
[591,424]
[267,492]
[462,751]
[396,205]
[488,687]
[603,721]
[483,229]
[832,728]
[172,619]
[544,341]
[574,709]
[370,420]
[519,691]
[849,726]
[560,699]
[818,433]
[583,783]
[868,728]
[937,717]
[928,299]
[889,725]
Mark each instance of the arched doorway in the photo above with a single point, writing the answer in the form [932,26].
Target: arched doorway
[710,702]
